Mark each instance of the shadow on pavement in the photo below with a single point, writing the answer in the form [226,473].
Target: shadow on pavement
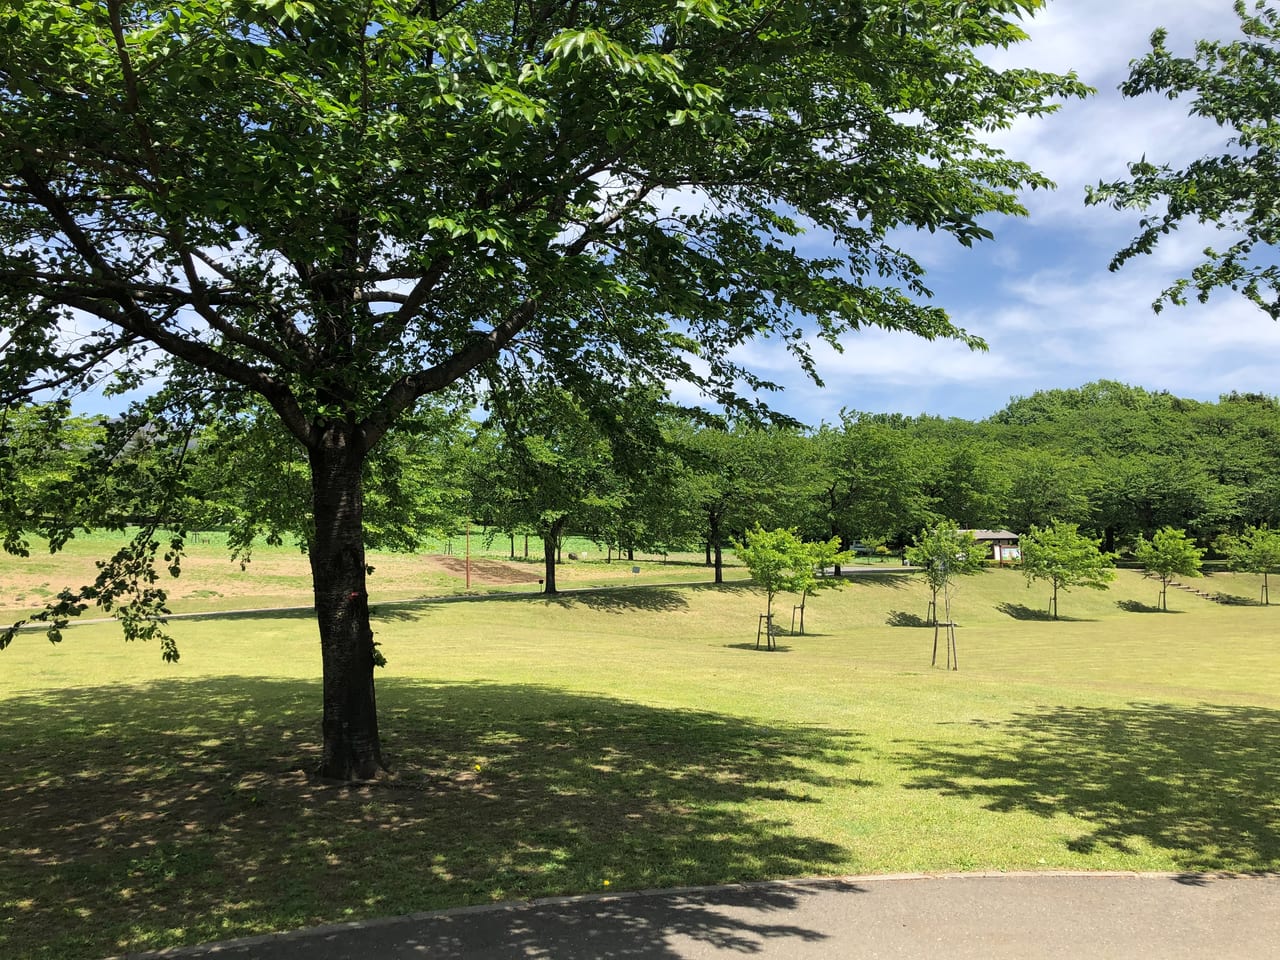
[739,922]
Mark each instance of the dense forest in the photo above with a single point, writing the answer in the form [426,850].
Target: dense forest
[1119,461]
[636,474]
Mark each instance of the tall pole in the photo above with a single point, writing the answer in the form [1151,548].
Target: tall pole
[468,564]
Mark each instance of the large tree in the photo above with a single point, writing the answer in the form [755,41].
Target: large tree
[741,478]
[1236,84]
[342,207]
[871,482]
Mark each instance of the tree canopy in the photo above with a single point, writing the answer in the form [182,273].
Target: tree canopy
[1060,554]
[1256,550]
[944,552]
[1168,554]
[1236,84]
[770,556]
[337,209]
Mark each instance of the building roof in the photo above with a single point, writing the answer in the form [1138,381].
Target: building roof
[984,535]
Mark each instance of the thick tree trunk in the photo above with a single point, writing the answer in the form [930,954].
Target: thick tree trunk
[352,749]
[713,540]
[550,545]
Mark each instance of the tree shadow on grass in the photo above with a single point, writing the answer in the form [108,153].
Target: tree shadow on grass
[1136,606]
[733,586]
[1235,600]
[896,581]
[777,647]
[145,816]
[279,613]
[623,599]
[1198,783]
[900,618]
[1020,611]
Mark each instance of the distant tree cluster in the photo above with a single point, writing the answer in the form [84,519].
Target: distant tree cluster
[1105,464]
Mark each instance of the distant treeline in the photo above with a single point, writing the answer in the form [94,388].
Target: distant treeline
[635,474]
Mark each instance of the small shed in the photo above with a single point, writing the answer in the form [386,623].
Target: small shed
[1002,544]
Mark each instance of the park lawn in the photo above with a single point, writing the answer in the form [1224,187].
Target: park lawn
[279,576]
[627,739]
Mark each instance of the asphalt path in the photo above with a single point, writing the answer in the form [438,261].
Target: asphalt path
[961,917]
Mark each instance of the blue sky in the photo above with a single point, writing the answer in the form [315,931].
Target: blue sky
[1041,294]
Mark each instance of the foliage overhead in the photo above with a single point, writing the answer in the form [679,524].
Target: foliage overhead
[1236,84]
[342,207]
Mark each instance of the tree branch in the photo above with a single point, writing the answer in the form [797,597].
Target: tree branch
[129,316]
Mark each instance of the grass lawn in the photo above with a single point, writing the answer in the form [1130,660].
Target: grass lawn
[625,739]
[281,577]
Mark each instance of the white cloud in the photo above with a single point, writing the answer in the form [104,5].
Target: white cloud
[1092,140]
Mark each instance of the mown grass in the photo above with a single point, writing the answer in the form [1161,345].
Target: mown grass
[279,576]
[625,739]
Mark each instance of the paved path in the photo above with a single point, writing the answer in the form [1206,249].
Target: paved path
[968,917]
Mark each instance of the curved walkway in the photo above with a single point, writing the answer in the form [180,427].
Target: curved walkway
[960,917]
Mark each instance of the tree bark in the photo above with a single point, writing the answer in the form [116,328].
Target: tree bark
[550,544]
[713,543]
[352,749]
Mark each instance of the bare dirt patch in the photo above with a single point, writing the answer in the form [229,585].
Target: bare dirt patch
[493,572]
